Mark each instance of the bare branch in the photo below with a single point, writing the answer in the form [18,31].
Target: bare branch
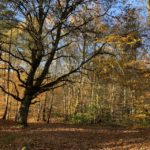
[11,94]
[63,77]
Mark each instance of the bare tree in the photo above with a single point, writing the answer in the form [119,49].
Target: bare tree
[47,28]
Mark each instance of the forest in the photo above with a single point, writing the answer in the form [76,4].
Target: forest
[74,74]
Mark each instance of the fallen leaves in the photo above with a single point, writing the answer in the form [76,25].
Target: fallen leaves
[72,137]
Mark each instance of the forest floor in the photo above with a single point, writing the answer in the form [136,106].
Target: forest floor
[71,137]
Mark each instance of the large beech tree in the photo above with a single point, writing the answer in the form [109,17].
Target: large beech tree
[46,32]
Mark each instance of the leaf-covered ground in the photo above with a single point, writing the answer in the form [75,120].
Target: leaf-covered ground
[72,137]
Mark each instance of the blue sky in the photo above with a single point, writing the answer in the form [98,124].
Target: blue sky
[119,7]
[138,4]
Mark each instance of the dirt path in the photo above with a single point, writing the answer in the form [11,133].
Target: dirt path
[71,137]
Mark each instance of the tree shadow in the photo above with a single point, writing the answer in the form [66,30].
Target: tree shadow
[73,137]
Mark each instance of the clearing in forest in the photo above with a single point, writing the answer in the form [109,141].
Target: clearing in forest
[72,137]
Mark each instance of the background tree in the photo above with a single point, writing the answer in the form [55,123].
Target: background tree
[7,22]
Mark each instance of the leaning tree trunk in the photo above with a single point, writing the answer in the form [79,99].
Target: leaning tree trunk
[23,111]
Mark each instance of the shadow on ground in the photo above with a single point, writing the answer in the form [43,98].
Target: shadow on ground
[71,137]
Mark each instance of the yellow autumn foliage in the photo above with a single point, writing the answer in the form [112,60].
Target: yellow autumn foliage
[23,76]
[130,39]
[138,117]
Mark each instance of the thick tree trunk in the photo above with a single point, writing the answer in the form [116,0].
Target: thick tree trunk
[23,111]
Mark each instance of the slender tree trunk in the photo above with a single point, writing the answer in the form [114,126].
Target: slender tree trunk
[148,7]
[23,111]
[77,102]
[9,110]
[7,83]
[39,111]
[16,113]
[7,97]
[112,100]
[6,108]
[65,105]
[50,107]
[49,113]
[125,103]
[44,107]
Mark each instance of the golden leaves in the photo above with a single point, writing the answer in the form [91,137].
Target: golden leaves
[129,39]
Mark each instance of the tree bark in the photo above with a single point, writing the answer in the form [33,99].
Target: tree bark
[23,111]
